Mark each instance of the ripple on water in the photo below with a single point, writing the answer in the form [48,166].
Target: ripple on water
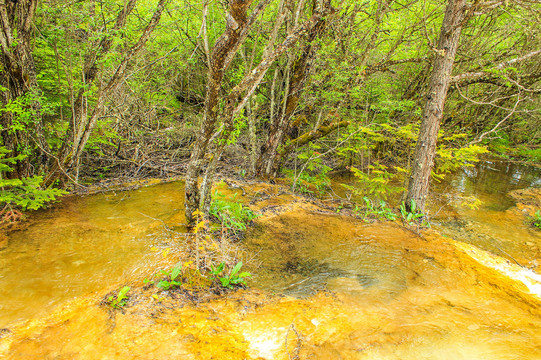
[83,245]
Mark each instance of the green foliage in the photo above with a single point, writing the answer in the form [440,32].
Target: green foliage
[528,153]
[412,215]
[171,278]
[103,135]
[231,279]
[312,176]
[231,214]
[371,69]
[377,183]
[309,184]
[240,124]
[393,143]
[116,302]
[450,159]
[24,193]
[379,212]
[536,220]
[22,110]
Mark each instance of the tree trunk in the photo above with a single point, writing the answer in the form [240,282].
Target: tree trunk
[279,126]
[237,22]
[19,79]
[199,198]
[82,122]
[438,85]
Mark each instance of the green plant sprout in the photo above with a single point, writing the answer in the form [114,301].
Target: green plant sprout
[381,211]
[121,299]
[411,216]
[231,214]
[171,278]
[234,278]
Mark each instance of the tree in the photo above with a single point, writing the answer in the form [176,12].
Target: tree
[211,138]
[18,82]
[297,76]
[82,121]
[438,85]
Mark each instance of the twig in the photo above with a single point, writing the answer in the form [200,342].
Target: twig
[480,138]
[297,347]
[60,167]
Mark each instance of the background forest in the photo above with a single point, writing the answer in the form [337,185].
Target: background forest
[125,88]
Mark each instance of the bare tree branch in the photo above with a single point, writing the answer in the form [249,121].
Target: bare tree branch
[477,76]
[482,136]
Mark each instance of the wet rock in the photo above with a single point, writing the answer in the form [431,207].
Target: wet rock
[392,295]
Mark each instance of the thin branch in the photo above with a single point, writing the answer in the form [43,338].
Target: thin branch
[245,30]
[480,138]
[483,74]
[203,32]
[492,103]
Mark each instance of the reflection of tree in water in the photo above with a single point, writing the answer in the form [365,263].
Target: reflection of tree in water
[496,177]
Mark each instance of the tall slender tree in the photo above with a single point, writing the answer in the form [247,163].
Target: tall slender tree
[211,139]
[18,79]
[440,78]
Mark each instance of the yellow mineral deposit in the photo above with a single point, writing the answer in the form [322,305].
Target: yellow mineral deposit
[352,291]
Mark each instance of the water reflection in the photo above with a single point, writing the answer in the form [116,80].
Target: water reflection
[496,226]
[301,253]
[494,178]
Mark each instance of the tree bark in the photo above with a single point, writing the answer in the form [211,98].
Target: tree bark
[438,86]
[237,22]
[266,164]
[19,79]
[199,198]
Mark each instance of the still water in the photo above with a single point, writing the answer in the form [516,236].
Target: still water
[353,290]
[497,225]
[83,245]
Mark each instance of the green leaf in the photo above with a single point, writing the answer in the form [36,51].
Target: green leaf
[225,282]
[122,293]
[220,268]
[236,269]
[176,272]
[164,284]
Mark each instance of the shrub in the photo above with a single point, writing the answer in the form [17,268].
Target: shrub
[24,193]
